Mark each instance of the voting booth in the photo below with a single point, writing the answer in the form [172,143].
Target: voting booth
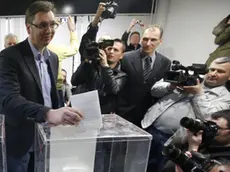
[3,167]
[117,146]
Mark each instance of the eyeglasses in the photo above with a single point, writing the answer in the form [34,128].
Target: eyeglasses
[44,25]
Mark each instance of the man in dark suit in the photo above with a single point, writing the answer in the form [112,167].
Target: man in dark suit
[28,75]
[144,67]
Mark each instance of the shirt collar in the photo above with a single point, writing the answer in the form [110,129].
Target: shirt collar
[143,55]
[36,53]
[217,89]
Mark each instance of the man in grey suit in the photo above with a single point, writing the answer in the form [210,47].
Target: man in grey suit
[28,76]
[144,67]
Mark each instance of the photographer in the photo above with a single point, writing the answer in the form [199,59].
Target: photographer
[216,147]
[134,36]
[175,102]
[101,71]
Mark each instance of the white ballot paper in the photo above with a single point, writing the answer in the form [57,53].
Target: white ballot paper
[74,147]
[88,104]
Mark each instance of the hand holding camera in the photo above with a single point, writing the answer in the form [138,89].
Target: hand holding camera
[194,140]
[100,9]
[194,89]
[103,60]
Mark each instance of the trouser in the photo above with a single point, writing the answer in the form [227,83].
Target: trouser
[156,159]
[19,164]
[60,99]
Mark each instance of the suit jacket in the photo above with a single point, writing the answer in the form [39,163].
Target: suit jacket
[21,95]
[135,98]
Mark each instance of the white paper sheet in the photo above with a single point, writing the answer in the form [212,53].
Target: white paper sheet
[88,104]
[75,152]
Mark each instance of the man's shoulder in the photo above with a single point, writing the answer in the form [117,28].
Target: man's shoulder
[131,54]
[13,51]
[159,55]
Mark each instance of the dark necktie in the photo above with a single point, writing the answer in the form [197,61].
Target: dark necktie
[147,68]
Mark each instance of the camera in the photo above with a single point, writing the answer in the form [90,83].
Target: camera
[110,10]
[210,128]
[91,51]
[197,163]
[180,75]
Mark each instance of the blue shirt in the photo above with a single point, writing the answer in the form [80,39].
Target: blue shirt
[40,60]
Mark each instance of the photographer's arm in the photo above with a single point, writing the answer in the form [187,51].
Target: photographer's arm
[125,35]
[113,84]
[161,88]
[91,33]
[100,9]
[223,37]
[209,102]
[82,74]
[194,140]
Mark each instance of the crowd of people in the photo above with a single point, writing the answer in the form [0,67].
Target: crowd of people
[128,74]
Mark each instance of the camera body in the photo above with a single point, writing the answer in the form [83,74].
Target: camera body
[111,8]
[91,51]
[180,75]
[210,128]
[198,162]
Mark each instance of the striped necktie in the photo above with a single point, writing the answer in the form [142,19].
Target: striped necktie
[147,68]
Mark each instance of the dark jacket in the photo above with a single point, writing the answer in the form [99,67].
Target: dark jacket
[135,98]
[107,81]
[129,47]
[21,95]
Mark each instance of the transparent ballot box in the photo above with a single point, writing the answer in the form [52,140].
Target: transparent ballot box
[119,146]
[2,145]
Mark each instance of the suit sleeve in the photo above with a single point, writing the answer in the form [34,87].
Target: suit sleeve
[15,106]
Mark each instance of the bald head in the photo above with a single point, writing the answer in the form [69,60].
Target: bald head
[10,40]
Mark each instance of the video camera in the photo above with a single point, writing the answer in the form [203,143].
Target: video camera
[179,74]
[110,10]
[91,51]
[197,163]
[210,128]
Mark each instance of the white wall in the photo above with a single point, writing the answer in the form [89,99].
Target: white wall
[188,26]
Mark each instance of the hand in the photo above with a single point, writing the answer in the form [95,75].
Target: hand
[142,25]
[63,116]
[100,9]
[71,24]
[194,140]
[103,59]
[132,24]
[195,89]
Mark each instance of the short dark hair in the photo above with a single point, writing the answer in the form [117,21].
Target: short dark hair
[63,70]
[222,114]
[122,42]
[38,6]
[135,32]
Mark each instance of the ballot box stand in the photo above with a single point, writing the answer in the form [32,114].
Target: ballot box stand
[118,146]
